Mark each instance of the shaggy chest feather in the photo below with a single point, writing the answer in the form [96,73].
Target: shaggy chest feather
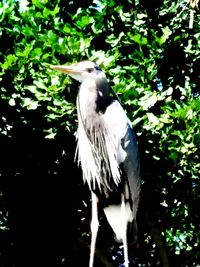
[97,150]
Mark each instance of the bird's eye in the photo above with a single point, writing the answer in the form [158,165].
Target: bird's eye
[90,70]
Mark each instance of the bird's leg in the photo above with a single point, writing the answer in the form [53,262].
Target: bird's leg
[124,225]
[94,228]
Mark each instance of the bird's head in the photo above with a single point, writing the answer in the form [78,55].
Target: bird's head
[89,75]
[82,71]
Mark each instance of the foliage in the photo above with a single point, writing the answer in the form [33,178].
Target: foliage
[151,55]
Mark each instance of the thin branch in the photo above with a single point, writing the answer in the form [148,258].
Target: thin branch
[158,239]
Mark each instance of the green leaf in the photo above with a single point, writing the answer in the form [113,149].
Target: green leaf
[173,155]
[29,104]
[40,85]
[39,3]
[9,61]
[12,102]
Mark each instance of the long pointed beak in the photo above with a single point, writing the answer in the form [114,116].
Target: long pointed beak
[66,69]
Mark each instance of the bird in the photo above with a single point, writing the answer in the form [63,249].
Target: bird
[107,153]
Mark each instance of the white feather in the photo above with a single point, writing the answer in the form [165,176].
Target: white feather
[116,220]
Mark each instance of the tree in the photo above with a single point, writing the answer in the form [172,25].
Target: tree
[151,56]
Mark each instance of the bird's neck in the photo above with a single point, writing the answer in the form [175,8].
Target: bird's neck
[102,87]
[103,98]
[93,98]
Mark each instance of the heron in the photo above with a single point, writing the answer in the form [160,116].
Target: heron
[108,154]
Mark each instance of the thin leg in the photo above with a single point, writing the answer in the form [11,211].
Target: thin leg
[94,228]
[124,238]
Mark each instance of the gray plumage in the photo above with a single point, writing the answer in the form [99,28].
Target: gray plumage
[107,151]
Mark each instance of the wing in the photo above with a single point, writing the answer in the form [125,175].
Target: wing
[128,162]
[127,150]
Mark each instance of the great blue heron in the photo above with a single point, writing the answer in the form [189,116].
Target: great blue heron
[107,152]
